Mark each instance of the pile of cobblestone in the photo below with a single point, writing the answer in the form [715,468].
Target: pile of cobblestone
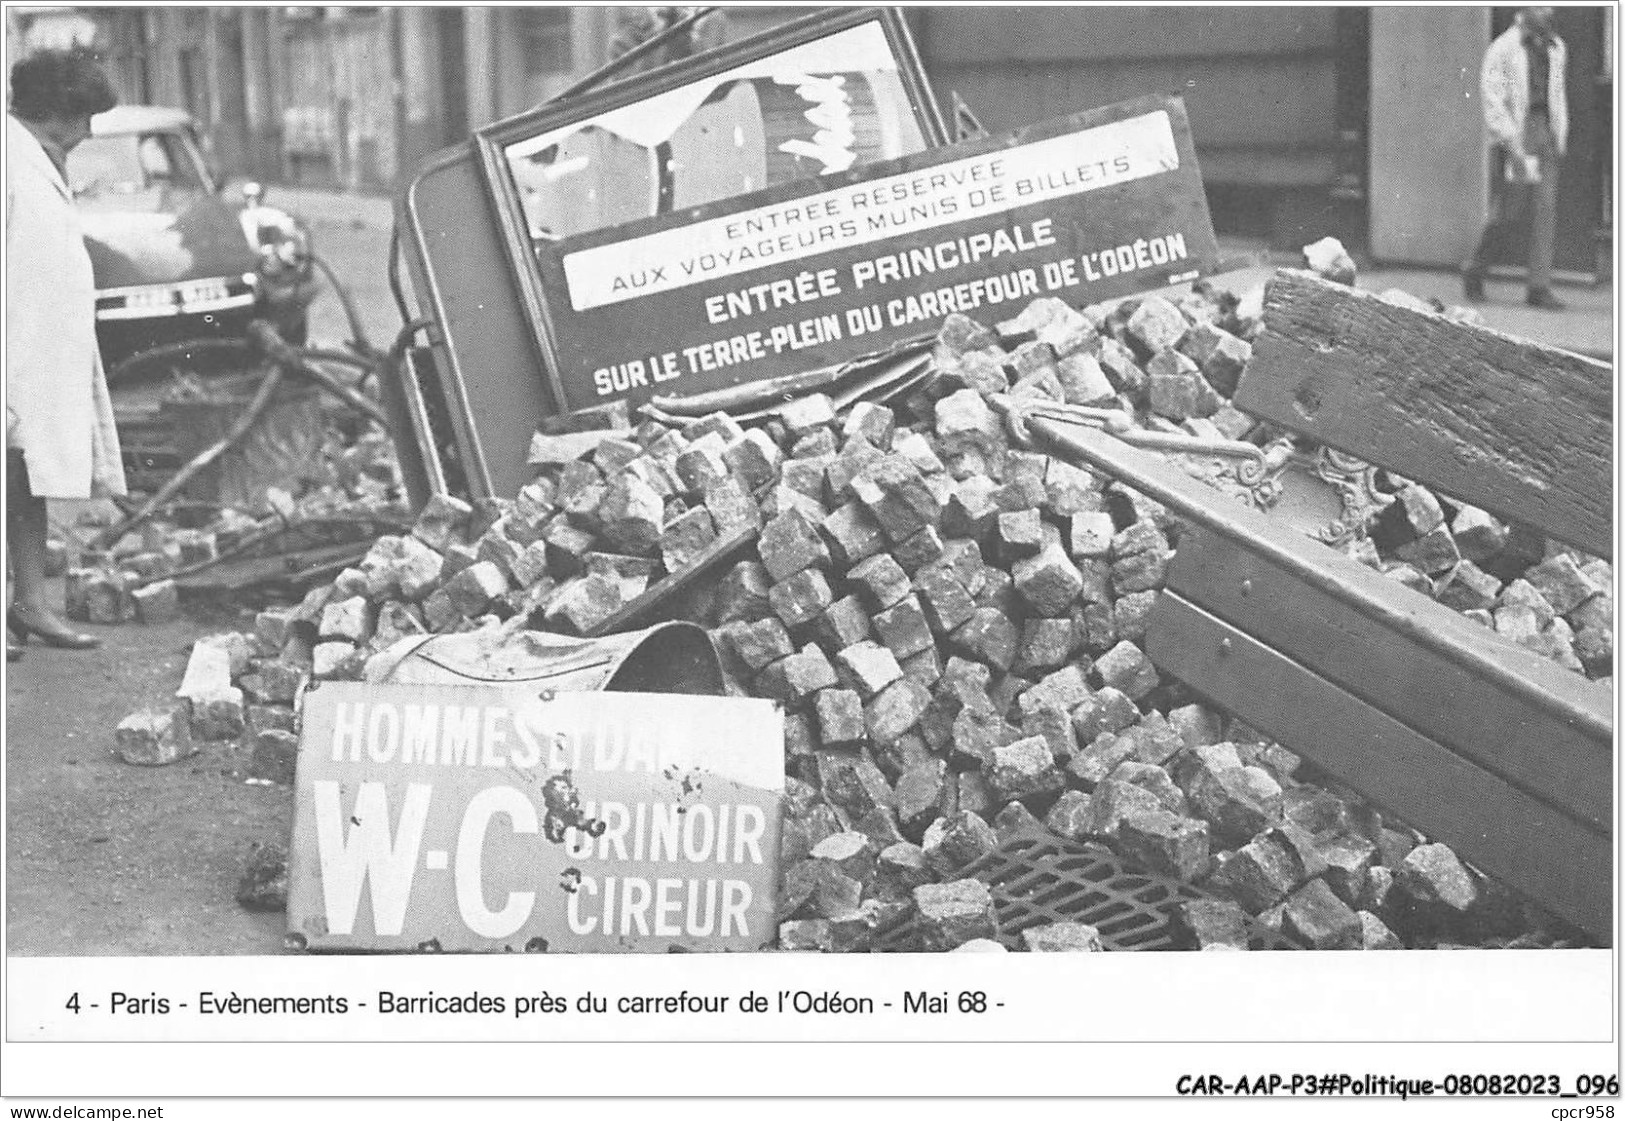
[133,581]
[954,626]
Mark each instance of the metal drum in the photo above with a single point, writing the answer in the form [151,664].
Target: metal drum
[670,658]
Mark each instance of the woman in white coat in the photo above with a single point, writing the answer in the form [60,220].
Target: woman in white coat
[60,438]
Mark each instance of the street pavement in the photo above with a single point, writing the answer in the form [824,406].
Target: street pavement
[351,234]
[105,859]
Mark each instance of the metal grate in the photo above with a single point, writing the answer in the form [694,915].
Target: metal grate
[1038,879]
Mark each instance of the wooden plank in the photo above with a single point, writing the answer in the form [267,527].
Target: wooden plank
[1521,736]
[667,587]
[298,569]
[1545,854]
[1521,429]
[1416,618]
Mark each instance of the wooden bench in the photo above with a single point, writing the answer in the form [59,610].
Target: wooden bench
[1479,743]
[1522,430]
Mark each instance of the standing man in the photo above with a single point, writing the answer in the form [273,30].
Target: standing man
[1526,115]
[60,439]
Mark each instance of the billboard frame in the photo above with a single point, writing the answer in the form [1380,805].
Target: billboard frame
[491,142]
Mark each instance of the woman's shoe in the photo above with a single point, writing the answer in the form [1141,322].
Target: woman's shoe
[14,652]
[58,636]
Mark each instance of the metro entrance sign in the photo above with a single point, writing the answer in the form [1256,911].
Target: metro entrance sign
[806,276]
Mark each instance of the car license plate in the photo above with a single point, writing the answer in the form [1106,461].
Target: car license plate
[202,291]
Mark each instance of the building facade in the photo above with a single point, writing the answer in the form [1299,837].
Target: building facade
[1357,122]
